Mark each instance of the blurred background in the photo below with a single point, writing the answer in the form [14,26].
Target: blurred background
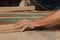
[47,4]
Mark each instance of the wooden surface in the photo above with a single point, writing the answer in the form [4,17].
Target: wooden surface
[17,8]
[26,11]
[31,35]
[6,28]
[8,32]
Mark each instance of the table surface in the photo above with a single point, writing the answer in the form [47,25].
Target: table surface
[31,35]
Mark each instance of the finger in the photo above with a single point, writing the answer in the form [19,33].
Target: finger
[31,27]
[20,26]
[17,24]
[25,27]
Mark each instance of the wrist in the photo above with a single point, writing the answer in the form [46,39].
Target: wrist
[40,23]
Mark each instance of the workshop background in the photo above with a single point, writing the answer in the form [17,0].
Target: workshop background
[49,4]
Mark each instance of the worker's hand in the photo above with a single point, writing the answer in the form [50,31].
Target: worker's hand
[24,24]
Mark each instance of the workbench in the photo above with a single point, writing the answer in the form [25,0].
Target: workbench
[7,32]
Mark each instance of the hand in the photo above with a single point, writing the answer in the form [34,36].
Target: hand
[24,24]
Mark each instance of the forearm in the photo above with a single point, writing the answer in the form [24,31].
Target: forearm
[51,19]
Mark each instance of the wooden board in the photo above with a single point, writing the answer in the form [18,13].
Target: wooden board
[6,28]
[25,12]
[17,8]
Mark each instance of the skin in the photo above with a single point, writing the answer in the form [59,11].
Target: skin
[31,24]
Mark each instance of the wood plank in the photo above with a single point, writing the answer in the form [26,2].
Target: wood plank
[20,17]
[23,15]
[7,28]
[16,8]
[25,12]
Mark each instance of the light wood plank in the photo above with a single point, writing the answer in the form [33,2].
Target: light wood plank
[7,28]
[24,12]
[16,8]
